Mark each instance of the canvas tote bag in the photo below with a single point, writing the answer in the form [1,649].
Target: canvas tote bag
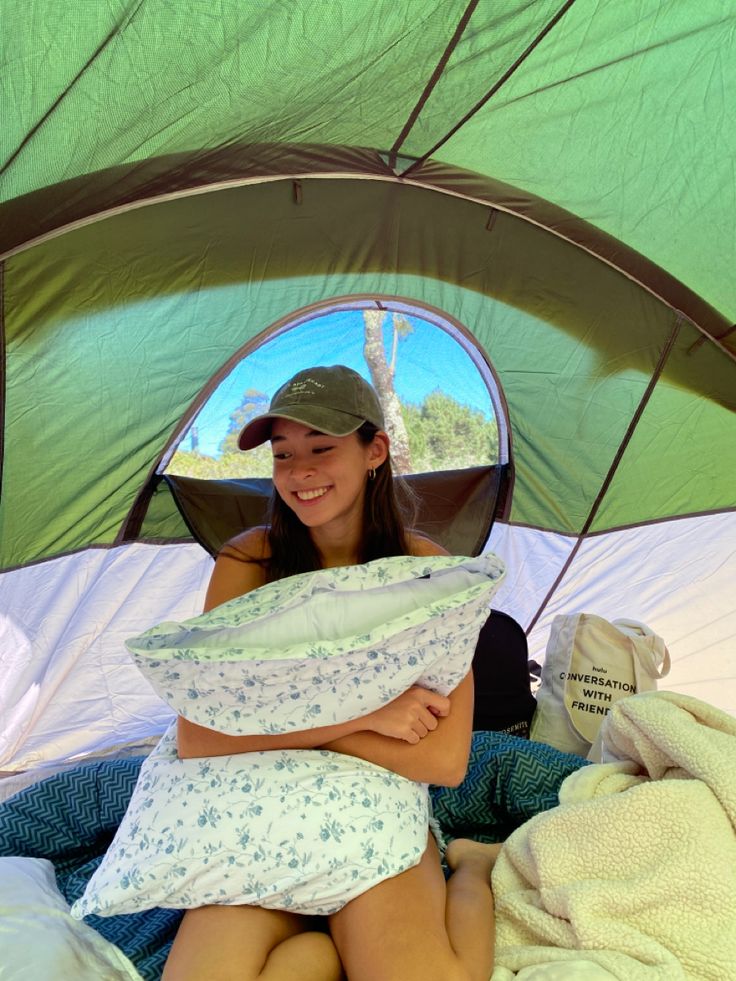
[589,665]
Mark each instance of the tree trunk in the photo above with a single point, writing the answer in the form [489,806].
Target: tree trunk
[383,382]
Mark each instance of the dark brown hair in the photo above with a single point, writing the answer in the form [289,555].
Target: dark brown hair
[385,519]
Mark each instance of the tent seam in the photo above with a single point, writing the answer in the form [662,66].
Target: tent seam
[645,523]
[607,480]
[432,83]
[95,546]
[494,88]
[116,30]
[158,540]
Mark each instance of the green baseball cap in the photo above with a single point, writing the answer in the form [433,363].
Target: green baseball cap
[335,400]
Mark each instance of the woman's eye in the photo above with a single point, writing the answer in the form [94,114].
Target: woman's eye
[322,449]
[281,456]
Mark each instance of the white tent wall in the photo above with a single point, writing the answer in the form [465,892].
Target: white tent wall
[675,576]
[70,688]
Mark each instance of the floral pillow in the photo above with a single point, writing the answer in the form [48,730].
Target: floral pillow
[304,830]
[323,647]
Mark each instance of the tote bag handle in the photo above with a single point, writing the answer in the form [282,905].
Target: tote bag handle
[650,651]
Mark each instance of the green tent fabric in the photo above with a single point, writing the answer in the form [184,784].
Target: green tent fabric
[594,106]
[556,178]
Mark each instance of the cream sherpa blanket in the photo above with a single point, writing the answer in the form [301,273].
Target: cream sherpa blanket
[633,876]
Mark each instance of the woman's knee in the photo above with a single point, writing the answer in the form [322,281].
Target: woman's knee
[310,956]
[396,929]
[227,943]
[457,972]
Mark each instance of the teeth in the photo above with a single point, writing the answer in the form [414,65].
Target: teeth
[309,495]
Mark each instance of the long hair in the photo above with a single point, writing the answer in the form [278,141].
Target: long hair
[385,519]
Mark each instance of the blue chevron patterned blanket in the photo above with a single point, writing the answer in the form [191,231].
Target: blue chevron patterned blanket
[71,818]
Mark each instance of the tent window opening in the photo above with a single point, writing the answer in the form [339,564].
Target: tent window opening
[443,407]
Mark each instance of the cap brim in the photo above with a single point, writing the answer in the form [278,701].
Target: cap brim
[255,432]
[329,421]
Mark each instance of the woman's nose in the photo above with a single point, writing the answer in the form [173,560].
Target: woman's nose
[301,467]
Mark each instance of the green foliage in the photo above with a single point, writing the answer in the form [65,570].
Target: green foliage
[446,435]
[254,463]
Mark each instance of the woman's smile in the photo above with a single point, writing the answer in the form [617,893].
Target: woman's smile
[312,495]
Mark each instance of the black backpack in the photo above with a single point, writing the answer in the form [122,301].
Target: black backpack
[503,696]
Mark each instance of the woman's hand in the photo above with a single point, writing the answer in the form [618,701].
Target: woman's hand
[410,716]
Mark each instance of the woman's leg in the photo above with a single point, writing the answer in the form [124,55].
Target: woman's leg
[417,928]
[245,943]
[470,904]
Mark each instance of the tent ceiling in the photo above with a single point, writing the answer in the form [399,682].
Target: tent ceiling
[43,214]
[616,112]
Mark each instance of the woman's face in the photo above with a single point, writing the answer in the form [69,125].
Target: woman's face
[322,478]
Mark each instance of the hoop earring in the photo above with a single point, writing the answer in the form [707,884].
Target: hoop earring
[372,473]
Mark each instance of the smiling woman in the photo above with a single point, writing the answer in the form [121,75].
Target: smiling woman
[334,501]
[321,477]
[333,505]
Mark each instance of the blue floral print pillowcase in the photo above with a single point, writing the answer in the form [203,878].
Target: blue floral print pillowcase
[323,647]
[302,830]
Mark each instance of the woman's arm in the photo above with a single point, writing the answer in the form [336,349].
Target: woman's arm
[409,717]
[194,741]
[420,735]
[441,757]
[239,568]
[420,545]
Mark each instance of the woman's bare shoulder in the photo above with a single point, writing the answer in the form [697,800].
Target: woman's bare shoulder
[251,545]
[419,544]
[239,568]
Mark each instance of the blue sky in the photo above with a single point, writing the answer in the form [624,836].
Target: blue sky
[427,359]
